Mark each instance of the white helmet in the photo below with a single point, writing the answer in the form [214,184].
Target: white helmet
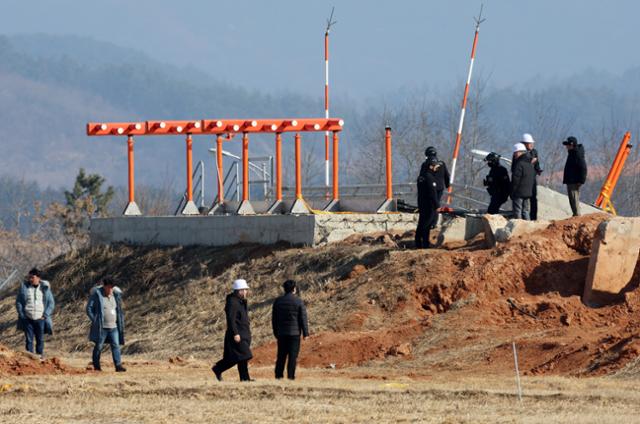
[240,284]
[519,147]
[527,138]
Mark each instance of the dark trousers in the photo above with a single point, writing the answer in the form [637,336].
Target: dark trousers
[434,221]
[533,213]
[288,346]
[494,204]
[226,363]
[574,198]
[34,328]
[423,230]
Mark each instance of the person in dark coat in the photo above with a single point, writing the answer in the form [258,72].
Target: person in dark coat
[237,338]
[428,204]
[35,304]
[289,321]
[528,141]
[575,172]
[104,310]
[497,183]
[522,181]
[441,173]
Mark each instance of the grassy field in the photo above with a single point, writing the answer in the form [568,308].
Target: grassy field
[161,392]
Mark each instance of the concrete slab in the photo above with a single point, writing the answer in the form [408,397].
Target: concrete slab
[225,230]
[456,229]
[518,227]
[553,205]
[614,255]
[491,224]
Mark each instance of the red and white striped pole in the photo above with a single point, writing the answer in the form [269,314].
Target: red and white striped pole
[456,149]
[326,96]
[326,106]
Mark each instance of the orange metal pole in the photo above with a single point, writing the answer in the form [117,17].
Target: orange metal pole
[387,140]
[336,195]
[131,169]
[298,168]
[220,167]
[245,167]
[607,185]
[278,166]
[618,171]
[189,168]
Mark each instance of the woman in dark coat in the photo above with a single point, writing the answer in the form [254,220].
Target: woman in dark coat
[237,338]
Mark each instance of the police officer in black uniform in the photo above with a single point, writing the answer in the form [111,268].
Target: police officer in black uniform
[497,182]
[428,202]
[441,173]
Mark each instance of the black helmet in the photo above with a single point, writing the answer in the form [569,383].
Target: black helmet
[432,160]
[492,158]
[431,151]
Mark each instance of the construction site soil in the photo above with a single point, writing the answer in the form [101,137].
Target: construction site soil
[373,304]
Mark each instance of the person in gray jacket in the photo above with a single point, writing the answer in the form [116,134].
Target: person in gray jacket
[104,309]
[289,321]
[35,305]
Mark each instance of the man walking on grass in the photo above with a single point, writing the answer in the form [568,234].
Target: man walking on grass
[237,338]
[35,305]
[107,322]
[289,322]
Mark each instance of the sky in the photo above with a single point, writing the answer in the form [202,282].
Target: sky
[375,47]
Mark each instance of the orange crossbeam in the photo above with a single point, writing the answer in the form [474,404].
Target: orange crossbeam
[213,126]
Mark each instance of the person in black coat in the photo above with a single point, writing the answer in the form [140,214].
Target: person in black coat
[237,338]
[428,203]
[522,180]
[575,172]
[528,141]
[289,321]
[497,183]
[441,173]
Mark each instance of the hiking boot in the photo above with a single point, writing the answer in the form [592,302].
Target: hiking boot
[120,368]
[217,374]
[97,368]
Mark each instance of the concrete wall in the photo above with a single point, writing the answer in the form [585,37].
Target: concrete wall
[553,205]
[232,229]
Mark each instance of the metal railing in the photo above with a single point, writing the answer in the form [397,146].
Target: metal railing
[199,182]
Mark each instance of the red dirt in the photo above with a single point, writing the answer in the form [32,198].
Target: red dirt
[21,363]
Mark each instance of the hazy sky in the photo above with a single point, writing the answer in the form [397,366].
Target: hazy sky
[376,46]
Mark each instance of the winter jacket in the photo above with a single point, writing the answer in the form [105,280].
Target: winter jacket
[49,305]
[427,192]
[237,315]
[498,183]
[522,178]
[575,169]
[442,174]
[94,312]
[289,316]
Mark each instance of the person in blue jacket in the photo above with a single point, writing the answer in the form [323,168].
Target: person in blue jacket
[35,305]
[104,309]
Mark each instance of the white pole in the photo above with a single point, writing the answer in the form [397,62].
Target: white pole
[515,360]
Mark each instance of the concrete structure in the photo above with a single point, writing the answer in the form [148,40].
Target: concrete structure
[553,205]
[456,228]
[614,256]
[307,230]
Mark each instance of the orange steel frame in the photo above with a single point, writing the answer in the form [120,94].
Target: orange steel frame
[604,198]
[219,128]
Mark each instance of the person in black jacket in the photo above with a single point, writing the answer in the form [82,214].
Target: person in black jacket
[289,321]
[522,181]
[428,203]
[497,183]
[237,338]
[441,173]
[528,141]
[575,172]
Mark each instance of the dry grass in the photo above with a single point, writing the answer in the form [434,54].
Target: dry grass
[165,393]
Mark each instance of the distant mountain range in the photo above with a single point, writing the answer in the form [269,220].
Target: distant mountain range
[50,86]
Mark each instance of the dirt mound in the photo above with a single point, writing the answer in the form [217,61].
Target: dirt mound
[371,303]
[20,363]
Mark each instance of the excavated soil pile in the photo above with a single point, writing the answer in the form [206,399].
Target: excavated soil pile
[20,363]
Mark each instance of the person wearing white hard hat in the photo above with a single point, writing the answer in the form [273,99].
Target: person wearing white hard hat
[522,181]
[528,141]
[237,338]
